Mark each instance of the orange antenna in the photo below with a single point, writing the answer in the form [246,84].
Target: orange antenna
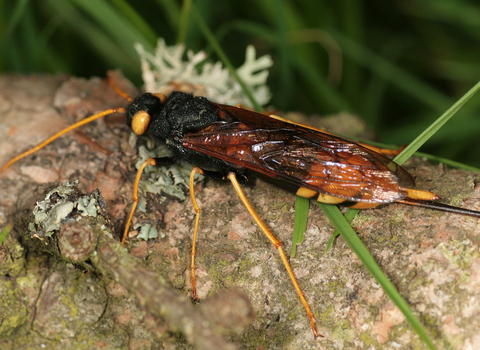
[57,135]
[118,91]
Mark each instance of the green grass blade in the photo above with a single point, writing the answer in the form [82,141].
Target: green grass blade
[393,74]
[136,20]
[171,10]
[95,36]
[349,235]
[16,18]
[284,52]
[433,128]
[417,143]
[300,225]
[221,54]
[349,216]
[183,25]
[321,86]
[343,227]
[116,25]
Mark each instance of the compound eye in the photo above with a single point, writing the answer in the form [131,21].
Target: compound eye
[140,122]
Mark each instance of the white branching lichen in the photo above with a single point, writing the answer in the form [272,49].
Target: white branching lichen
[166,70]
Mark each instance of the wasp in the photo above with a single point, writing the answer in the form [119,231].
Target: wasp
[231,142]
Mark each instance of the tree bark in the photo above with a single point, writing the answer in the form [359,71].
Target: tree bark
[431,257]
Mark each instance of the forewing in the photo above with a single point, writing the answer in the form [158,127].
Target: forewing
[301,156]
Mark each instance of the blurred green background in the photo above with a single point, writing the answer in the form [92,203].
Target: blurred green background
[398,64]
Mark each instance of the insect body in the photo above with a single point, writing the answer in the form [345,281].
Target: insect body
[222,139]
[227,142]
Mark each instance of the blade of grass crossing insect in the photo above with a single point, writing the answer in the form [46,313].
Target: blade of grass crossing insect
[424,136]
[349,235]
[349,216]
[343,227]
[418,142]
[300,224]
[216,46]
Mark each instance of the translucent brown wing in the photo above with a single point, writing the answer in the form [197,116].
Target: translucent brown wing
[301,156]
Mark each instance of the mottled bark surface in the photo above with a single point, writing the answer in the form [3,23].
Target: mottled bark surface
[431,257]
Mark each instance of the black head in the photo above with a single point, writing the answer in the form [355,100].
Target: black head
[157,116]
[143,110]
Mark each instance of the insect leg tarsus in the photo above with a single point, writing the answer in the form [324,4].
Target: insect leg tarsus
[277,245]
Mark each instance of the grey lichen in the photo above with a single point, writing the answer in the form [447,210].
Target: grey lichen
[62,206]
[170,180]
[147,232]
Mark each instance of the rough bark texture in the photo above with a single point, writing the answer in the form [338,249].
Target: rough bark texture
[431,257]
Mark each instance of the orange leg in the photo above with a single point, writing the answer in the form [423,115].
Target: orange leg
[149,161]
[195,170]
[277,245]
